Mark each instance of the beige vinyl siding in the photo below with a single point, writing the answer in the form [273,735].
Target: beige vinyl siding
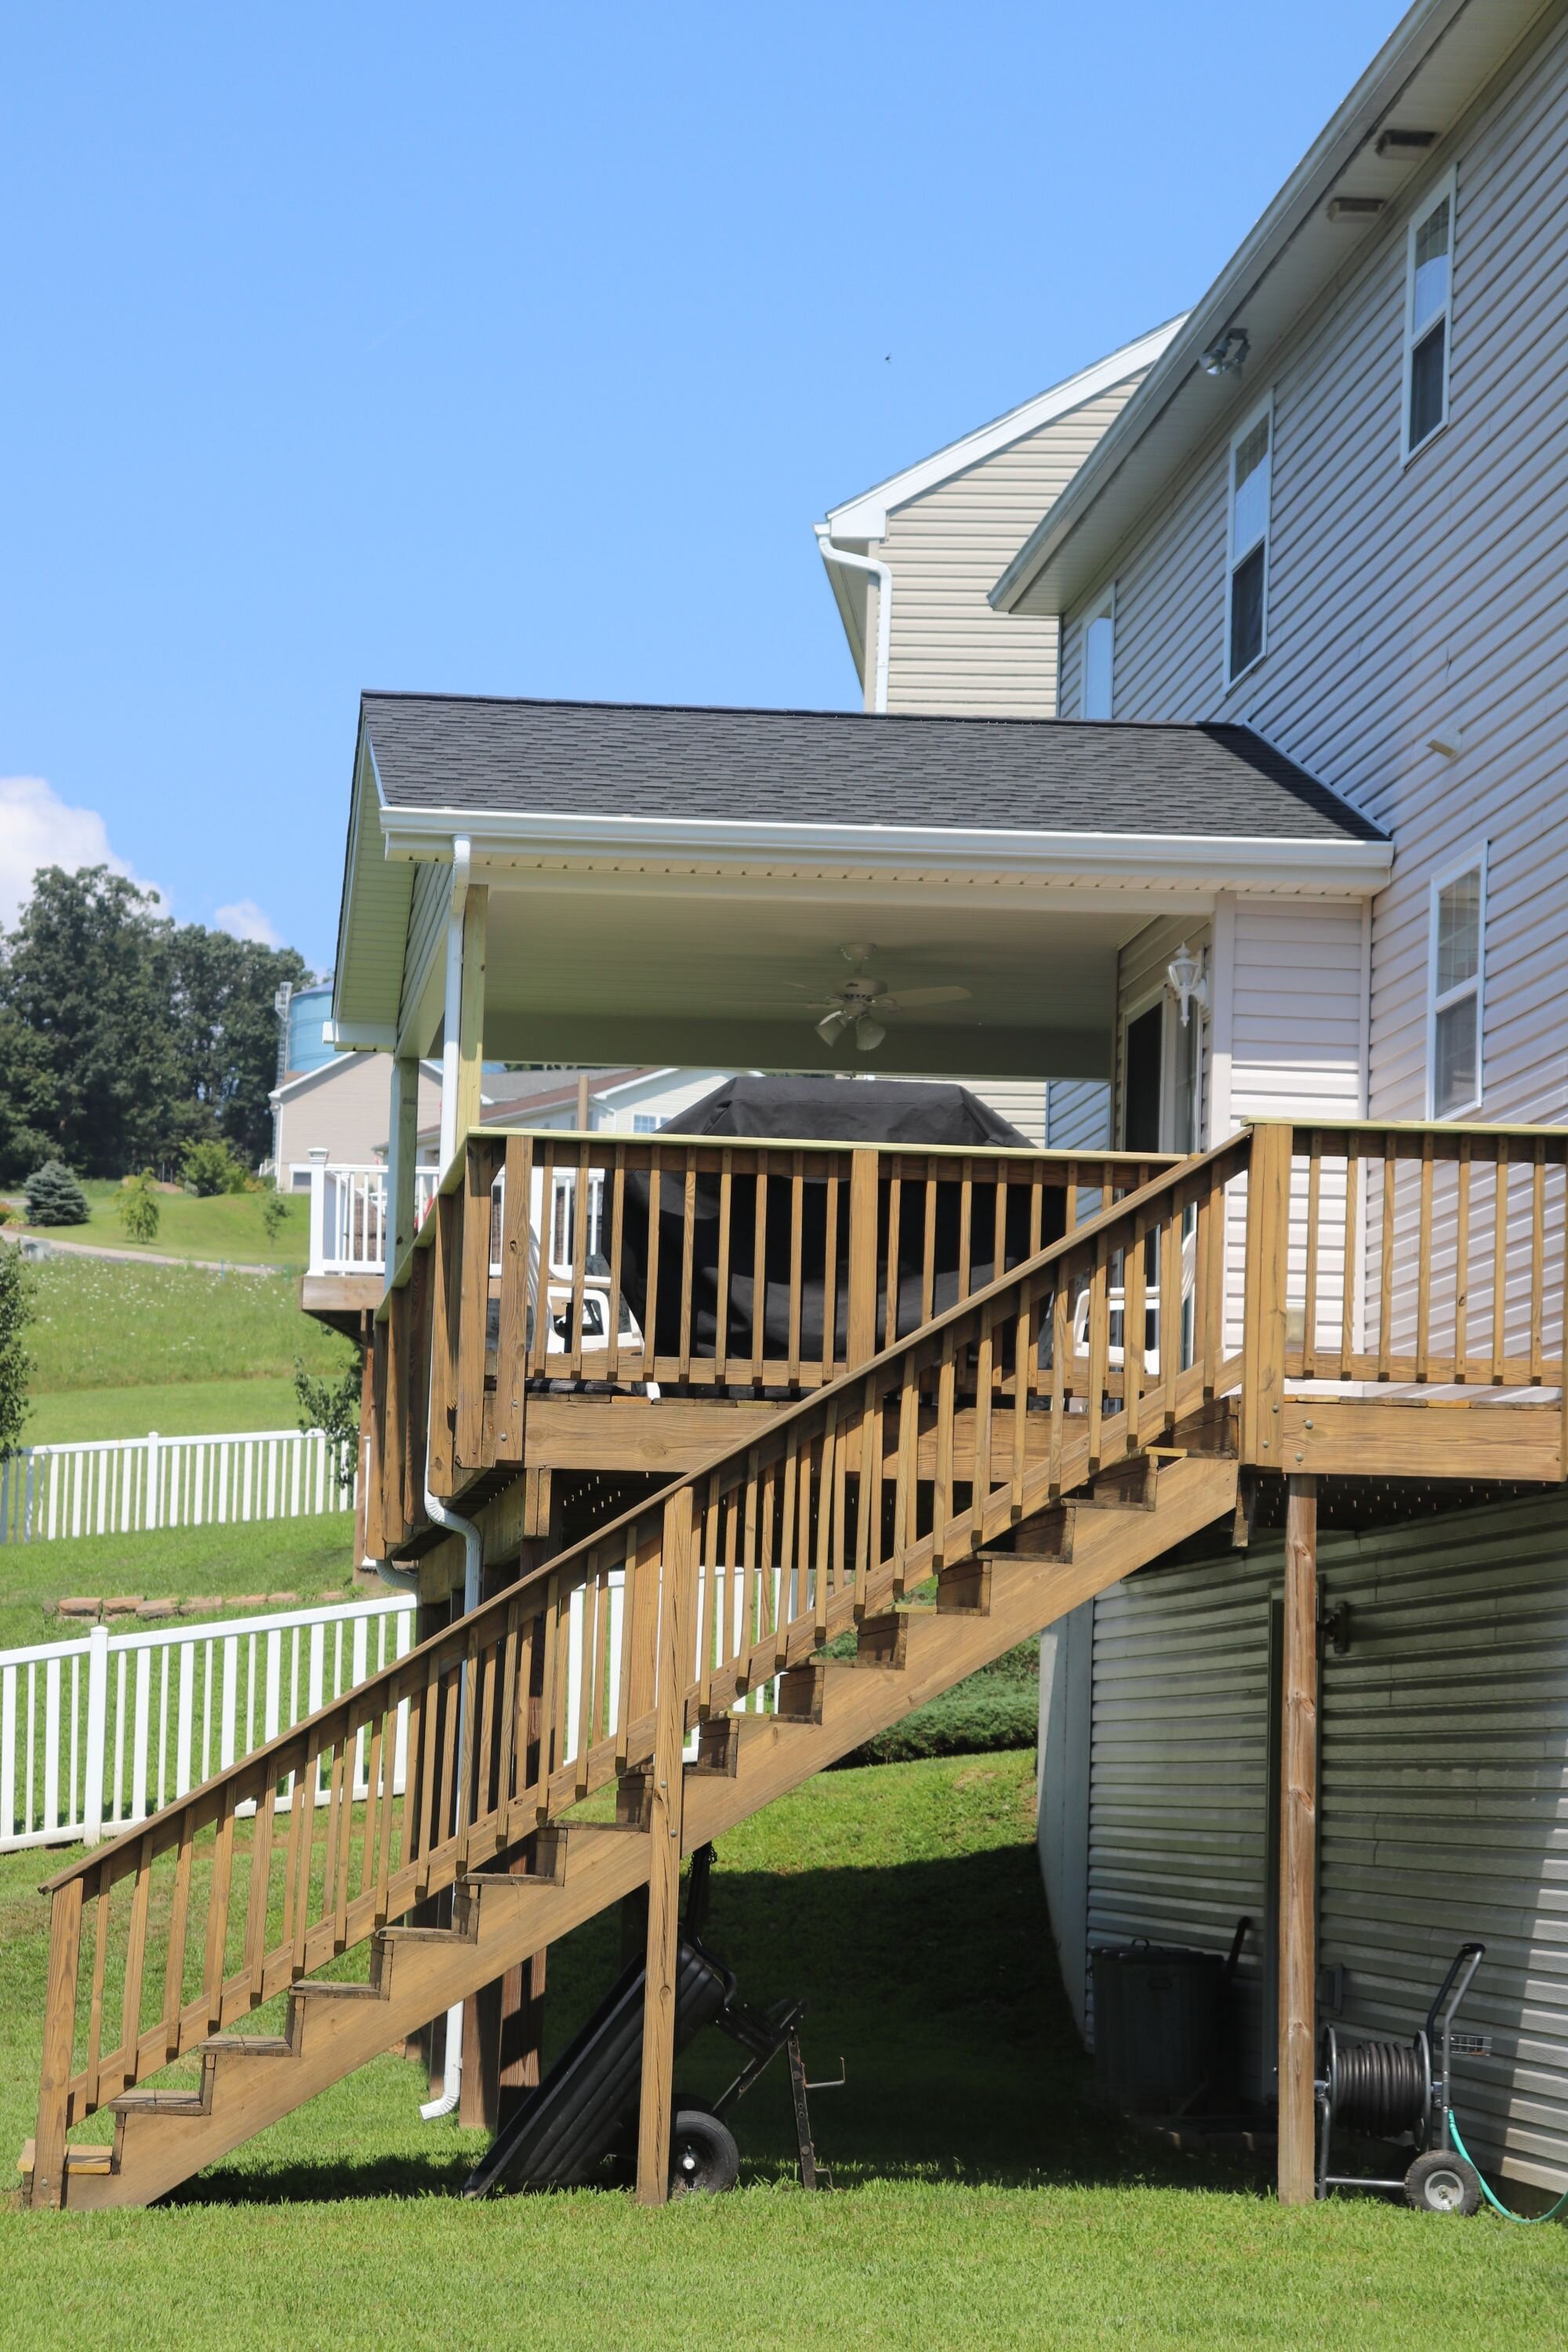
[1400,596]
[949,651]
[1443,1802]
[343,1108]
[1020,1101]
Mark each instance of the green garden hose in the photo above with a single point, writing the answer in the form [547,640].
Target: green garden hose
[1495,2202]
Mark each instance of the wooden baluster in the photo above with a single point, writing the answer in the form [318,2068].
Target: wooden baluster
[175,1943]
[1462,1260]
[1499,1261]
[869,1495]
[456,1717]
[511,1319]
[941,1492]
[1169,1352]
[1267,1267]
[796,1247]
[431,1713]
[1023,1347]
[1314,1210]
[478,1783]
[890,1301]
[218,1911]
[770,1610]
[369,1875]
[1134,1323]
[750,1629]
[829,1274]
[1385,1270]
[650,1301]
[1350,1363]
[905,1493]
[135,1965]
[445,1321]
[687,1259]
[95,2012]
[999,1227]
[47,2189]
[721,1304]
[759,1269]
[827,1466]
[297,1866]
[1098,1345]
[707,1569]
[1070,1198]
[1424,1260]
[806,1460]
[579,1260]
[965,1225]
[840,1506]
[473,1306]
[928,1250]
[561,1699]
[337,1836]
[256,1907]
[1537,1258]
[1061,1341]
[586,1666]
[667,1793]
[980,1491]
[789,1548]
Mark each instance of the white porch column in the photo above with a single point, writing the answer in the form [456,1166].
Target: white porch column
[317,1208]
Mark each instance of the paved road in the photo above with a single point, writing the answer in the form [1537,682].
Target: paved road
[141,1257]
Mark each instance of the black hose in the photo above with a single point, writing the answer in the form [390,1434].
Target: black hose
[1380,2086]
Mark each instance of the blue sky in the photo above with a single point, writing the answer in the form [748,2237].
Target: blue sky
[514,350]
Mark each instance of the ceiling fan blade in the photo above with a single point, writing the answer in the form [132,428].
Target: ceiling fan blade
[903,999]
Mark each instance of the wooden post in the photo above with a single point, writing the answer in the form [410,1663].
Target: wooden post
[585,1104]
[402,1155]
[1299,1844]
[1267,1262]
[60,2035]
[521,2036]
[655,2120]
[864,1166]
[471,1015]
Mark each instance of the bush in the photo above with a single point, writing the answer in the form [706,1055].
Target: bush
[333,1406]
[999,1707]
[138,1208]
[210,1168]
[274,1214]
[16,1309]
[54,1196]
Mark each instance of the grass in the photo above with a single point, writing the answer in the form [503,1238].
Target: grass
[105,1325]
[983,2200]
[228,1226]
[311,1557]
[173,1408]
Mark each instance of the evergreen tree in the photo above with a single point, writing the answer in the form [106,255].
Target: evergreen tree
[15,1364]
[54,1197]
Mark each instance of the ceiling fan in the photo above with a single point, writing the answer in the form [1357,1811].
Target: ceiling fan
[862,1000]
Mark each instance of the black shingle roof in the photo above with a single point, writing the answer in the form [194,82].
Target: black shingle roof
[647,759]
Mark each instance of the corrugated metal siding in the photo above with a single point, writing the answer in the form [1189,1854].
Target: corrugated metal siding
[950,650]
[1177,1823]
[1399,594]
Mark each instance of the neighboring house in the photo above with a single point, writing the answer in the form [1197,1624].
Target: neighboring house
[620,1101]
[341,1107]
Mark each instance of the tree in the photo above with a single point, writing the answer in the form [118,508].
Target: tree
[138,1208]
[54,1197]
[221,990]
[274,1213]
[15,1364]
[333,1406]
[26,1099]
[211,1167]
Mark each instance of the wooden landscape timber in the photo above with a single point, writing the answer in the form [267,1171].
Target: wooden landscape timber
[1058,1427]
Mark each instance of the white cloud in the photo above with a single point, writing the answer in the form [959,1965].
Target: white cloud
[244,921]
[37,828]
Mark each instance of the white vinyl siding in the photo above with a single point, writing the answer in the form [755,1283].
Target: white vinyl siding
[1140,981]
[1401,598]
[950,650]
[1077,1115]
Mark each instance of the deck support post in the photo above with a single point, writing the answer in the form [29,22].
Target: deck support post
[1299,1846]
[664,1835]
[47,2189]
[402,1155]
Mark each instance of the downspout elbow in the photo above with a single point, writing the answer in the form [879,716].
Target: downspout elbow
[882,573]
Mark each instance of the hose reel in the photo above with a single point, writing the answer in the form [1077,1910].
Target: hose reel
[1397,2090]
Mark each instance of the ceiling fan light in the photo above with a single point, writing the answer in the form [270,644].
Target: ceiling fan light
[827,1028]
[868,1034]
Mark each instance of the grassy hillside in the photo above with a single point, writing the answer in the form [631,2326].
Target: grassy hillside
[982,2198]
[173,1408]
[311,1557]
[101,1325]
[227,1227]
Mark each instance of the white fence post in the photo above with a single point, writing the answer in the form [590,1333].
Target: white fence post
[97,1728]
[317,1209]
[121,1486]
[151,1496]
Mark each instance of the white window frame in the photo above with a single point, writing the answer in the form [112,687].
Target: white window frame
[1254,418]
[1102,609]
[1448,185]
[1472,860]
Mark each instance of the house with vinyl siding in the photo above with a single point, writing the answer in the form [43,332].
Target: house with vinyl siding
[1335,512]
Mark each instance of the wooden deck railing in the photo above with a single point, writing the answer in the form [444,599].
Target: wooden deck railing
[727,1580]
[699,1268]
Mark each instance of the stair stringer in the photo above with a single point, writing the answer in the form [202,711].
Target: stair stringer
[417,1974]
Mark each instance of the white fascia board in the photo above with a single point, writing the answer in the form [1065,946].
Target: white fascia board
[1393,88]
[866,516]
[1248,862]
[359,1036]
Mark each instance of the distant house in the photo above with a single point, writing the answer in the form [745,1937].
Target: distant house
[341,1107]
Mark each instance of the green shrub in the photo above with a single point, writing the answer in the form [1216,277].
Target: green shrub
[54,1196]
[16,1308]
[995,1709]
[333,1406]
[211,1167]
[274,1214]
[137,1207]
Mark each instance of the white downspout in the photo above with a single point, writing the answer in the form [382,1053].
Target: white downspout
[883,574]
[450,1037]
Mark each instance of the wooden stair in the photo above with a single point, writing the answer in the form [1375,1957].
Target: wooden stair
[985,1604]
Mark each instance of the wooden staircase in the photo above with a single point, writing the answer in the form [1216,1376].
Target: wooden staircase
[934,1501]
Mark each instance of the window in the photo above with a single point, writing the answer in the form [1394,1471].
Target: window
[1428,304]
[1456,989]
[1096,692]
[644,1122]
[1247,583]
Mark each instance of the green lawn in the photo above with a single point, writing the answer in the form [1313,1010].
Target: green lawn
[984,2200]
[228,1227]
[173,1408]
[100,1324]
[311,1557]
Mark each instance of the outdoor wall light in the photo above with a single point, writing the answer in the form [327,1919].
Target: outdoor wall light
[1186,974]
[1227,355]
[868,1034]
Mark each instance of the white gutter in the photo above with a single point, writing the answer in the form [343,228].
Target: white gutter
[451,1036]
[883,576]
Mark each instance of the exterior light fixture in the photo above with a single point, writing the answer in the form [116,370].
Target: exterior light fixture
[868,1034]
[829,1026]
[1227,355]
[1186,974]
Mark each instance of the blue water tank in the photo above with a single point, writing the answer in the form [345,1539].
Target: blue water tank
[308,1008]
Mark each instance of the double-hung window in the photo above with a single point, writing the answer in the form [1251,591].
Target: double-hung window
[1096,688]
[1428,308]
[1247,573]
[1455,990]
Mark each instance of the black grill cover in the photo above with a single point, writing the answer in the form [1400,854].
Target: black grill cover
[834,1110]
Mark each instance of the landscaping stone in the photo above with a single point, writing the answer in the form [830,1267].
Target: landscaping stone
[79,1607]
[125,1604]
[282,1601]
[201,1605]
[159,1609]
[249,1600]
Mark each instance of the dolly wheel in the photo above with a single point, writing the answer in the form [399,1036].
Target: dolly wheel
[703,2158]
[1441,2182]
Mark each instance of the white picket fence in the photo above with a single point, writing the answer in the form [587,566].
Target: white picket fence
[123,1486]
[98,1734]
